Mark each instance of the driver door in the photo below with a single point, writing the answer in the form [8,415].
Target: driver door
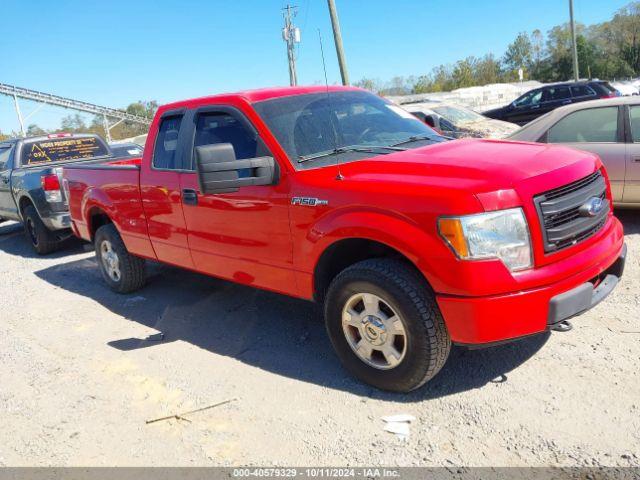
[242,235]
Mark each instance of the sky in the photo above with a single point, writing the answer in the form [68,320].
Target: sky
[116,52]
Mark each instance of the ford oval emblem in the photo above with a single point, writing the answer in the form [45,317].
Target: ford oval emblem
[592,207]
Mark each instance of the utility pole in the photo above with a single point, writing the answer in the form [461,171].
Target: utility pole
[291,35]
[576,74]
[337,37]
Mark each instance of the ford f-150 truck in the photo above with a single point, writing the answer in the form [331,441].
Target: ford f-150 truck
[30,172]
[413,243]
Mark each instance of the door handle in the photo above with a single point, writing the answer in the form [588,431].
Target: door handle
[636,159]
[5,180]
[189,196]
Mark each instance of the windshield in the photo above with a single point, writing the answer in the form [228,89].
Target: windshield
[61,149]
[313,124]
[457,115]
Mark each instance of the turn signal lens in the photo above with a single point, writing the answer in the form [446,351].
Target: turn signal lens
[503,234]
[451,230]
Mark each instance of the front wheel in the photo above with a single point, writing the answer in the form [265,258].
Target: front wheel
[385,325]
[122,271]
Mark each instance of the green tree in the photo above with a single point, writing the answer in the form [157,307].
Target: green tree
[73,124]
[369,84]
[537,53]
[464,72]
[519,55]
[488,70]
[34,130]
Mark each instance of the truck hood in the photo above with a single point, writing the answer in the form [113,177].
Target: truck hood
[475,165]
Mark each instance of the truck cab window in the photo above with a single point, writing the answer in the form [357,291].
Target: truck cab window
[5,153]
[219,127]
[164,153]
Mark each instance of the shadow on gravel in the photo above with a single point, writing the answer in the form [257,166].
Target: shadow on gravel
[12,241]
[272,332]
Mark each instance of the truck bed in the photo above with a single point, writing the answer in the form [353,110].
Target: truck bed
[114,187]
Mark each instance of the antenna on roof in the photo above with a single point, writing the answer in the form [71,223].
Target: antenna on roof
[326,83]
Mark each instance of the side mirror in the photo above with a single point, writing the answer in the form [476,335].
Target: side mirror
[220,172]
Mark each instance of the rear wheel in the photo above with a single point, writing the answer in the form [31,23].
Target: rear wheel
[122,271]
[385,325]
[41,238]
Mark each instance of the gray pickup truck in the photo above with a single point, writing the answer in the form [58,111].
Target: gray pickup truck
[31,181]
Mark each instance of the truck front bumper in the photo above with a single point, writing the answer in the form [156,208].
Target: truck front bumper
[496,319]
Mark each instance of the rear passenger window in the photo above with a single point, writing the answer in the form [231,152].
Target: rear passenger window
[5,153]
[555,93]
[594,125]
[164,153]
[219,127]
[582,91]
[634,117]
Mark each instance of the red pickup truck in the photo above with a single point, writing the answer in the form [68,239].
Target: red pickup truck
[336,195]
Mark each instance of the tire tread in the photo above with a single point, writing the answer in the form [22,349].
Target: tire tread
[132,268]
[398,273]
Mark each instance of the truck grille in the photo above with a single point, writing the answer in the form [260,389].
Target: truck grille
[563,214]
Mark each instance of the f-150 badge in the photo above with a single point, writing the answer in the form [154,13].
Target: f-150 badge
[308,201]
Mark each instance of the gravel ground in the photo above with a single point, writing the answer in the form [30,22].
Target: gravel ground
[82,369]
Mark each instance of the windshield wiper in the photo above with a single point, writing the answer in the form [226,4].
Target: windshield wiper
[414,138]
[354,148]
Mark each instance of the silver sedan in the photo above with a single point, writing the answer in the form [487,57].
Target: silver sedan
[609,128]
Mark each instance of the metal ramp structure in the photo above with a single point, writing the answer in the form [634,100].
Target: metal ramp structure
[48,99]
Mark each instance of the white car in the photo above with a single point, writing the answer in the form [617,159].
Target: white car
[459,122]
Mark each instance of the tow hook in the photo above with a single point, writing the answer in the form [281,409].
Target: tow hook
[563,326]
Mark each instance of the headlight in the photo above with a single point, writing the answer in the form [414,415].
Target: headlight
[503,234]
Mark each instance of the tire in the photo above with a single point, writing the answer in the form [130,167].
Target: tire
[122,271]
[418,353]
[38,235]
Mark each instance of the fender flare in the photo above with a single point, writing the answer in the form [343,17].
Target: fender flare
[388,228]
[96,199]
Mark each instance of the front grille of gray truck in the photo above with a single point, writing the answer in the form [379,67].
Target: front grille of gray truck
[564,219]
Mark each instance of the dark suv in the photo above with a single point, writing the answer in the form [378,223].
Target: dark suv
[539,101]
